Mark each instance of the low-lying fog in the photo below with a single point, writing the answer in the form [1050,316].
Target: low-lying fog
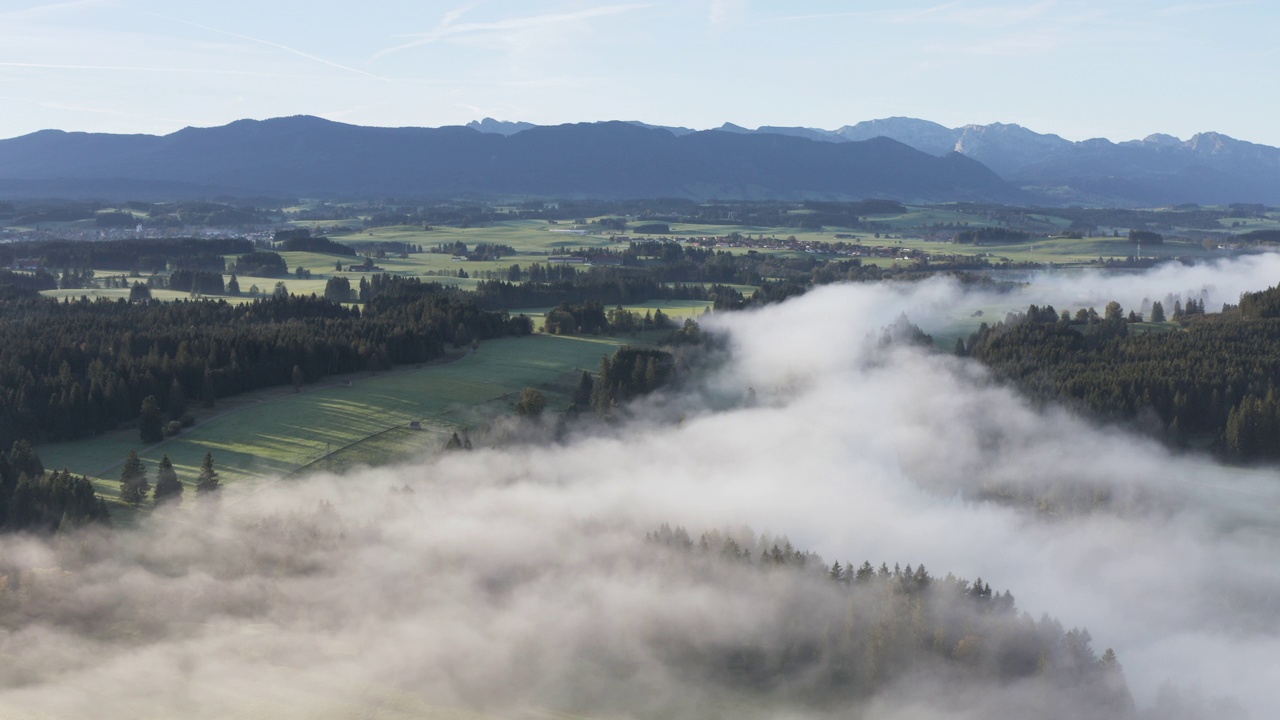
[515,580]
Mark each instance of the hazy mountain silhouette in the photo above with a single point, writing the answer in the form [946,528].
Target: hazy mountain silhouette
[501,127]
[308,156]
[1210,168]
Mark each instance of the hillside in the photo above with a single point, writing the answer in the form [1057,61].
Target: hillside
[1210,168]
[307,156]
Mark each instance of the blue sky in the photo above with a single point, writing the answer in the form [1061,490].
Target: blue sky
[1078,68]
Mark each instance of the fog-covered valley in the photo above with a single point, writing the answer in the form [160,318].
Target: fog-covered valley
[516,580]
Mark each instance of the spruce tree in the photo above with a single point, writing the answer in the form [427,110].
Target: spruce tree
[168,487]
[582,395]
[207,484]
[149,426]
[177,402]
[208,395]
[133,480]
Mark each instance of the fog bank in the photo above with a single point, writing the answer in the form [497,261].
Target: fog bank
[514,581]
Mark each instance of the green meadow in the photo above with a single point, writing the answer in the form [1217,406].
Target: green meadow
[534,240]
[336,425]
[355,419]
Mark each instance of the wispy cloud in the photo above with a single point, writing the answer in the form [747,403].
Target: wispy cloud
[449,27]
[965,13]
[153,69]
[1013,46]
[79,108]
[50,8]
[721,13]
[957,12]
[1188,8]
[267,43]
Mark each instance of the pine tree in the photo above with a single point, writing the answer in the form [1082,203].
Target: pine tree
[207,484]
[168,487]
[149,428]
[177,402]
[23,459]
[602,393]
[208,395]
[133,480]
[582,395]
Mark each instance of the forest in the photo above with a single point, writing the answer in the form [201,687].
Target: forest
[35,501]
[1214,378]
[141,255]
[75,369]
[859,630]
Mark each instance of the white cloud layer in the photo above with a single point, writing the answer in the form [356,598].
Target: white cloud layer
[514,580]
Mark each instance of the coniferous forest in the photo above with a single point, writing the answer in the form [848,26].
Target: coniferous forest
[75,369]
[1214,378]
[853,632]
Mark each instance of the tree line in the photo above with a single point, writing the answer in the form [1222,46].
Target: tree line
[858,630]
[168,489]
[301,240]
[74,369]
[44,502]
[140,254]
[1216,376]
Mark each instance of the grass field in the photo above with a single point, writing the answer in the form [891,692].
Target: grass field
[278,432]
[533,241]
[274,433]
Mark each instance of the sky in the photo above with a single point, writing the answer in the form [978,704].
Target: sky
[1080,69]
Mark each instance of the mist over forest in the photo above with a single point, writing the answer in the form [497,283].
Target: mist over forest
[516,580]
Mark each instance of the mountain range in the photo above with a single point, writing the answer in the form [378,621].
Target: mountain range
[900,158]
[311,157]
[1210,168]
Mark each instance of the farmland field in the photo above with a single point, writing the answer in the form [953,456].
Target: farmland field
[273,433]
[534,240]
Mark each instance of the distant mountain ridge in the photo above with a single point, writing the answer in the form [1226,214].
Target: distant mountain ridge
[306,156]
[501,127]
[1209,168]
[900,158]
